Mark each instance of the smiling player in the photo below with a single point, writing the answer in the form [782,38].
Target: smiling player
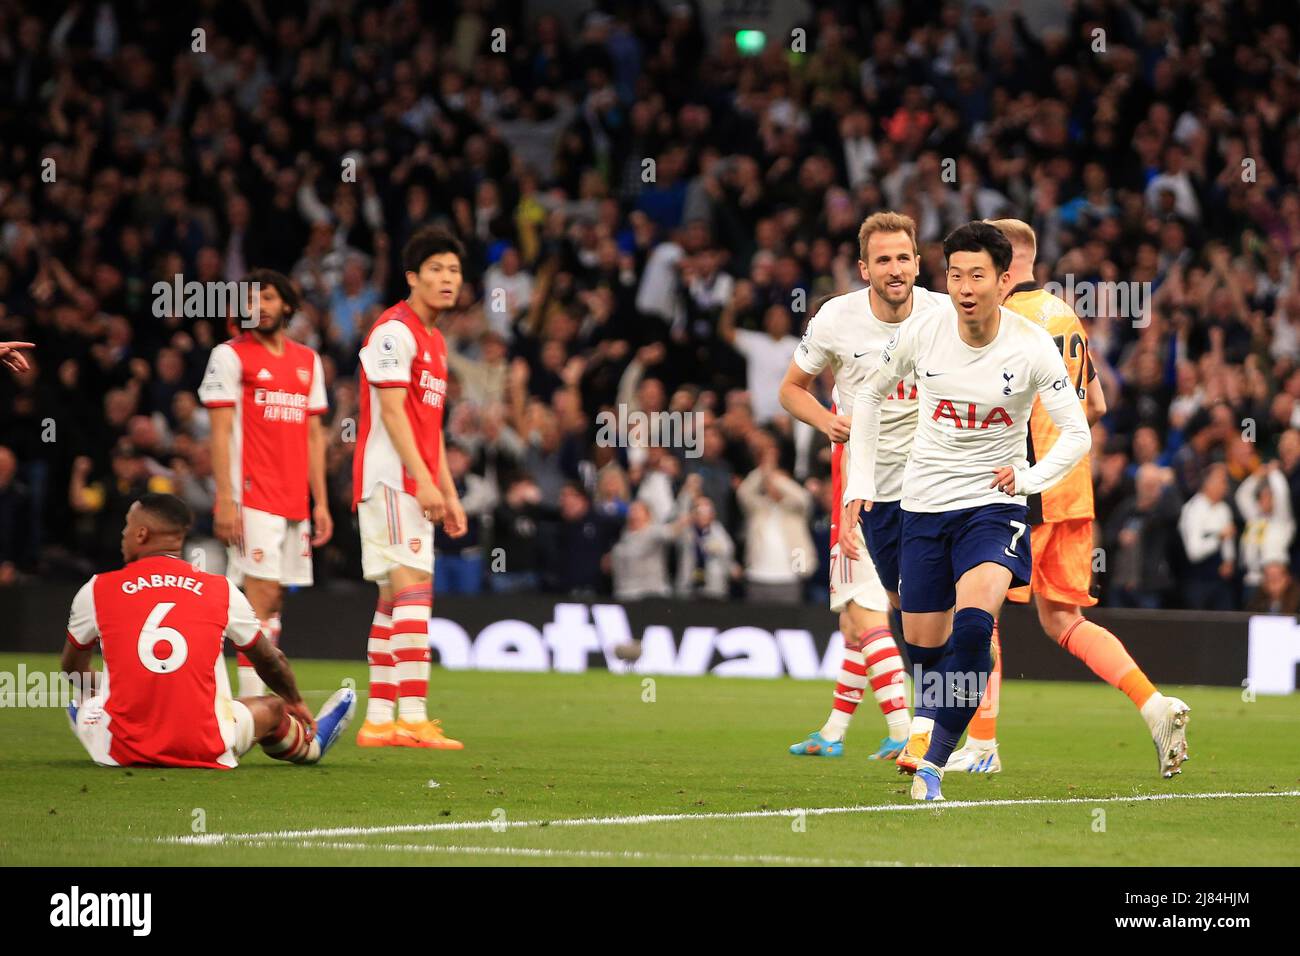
[977,376]
[848,334]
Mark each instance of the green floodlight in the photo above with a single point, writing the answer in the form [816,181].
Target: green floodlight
[750,42]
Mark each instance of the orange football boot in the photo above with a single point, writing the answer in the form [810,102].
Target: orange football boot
[376,735]
[426,733]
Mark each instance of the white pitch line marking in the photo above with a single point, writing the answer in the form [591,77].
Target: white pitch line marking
[536,853]
[498,825]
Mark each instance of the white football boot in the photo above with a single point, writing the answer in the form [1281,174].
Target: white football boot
[978,756]
[1167,719]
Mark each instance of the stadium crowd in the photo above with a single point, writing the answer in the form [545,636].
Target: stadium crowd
[650,217]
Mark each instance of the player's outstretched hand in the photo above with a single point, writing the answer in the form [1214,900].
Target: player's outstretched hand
[299,709]
[1005,479]
[11,355]
[323,525]
[454,521]
[848,524]
[837,428]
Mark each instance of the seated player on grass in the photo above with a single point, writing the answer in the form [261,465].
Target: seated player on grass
[163,697]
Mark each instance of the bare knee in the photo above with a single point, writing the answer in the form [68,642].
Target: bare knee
[857,621]
[265,596]
[267,711]
[1056,619]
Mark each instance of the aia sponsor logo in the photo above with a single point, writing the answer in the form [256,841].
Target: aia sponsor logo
[901,392]
[968,415]
[258,555]
[415,544]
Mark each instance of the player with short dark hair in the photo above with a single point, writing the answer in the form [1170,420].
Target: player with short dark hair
[401,485]
[978,368]
[1061,533]
[162,697]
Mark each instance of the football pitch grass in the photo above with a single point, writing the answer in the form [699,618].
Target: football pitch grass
[601,769]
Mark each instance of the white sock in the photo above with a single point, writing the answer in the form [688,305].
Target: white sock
[977,744]
[921,725]
[250,685]
[898,722]
[837,724]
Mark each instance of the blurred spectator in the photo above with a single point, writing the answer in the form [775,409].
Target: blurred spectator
[1139,536]
[705,552]
[516,541]
[105,503]
[1278,592]
[1209,540]
[717,477]
[655,488]
[577,559]
[354,296]
[639,560]
[613,493]
[767,355]
[778,545]
[15,544]
[458,562]
[1264,503]
[483,379]
[507,292]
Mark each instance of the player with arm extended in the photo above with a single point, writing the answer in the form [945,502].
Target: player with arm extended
[848,334]
[163,697]
[977,371]
[1061,519]
[265,394]
[401,485]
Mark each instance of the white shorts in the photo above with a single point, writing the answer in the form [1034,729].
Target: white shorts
[856,581]
[394,531]
[274,549]
[92,729]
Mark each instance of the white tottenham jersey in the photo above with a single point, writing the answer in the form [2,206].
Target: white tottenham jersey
[846,335]
[973,415]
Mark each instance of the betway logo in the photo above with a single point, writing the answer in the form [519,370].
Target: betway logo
[577,632]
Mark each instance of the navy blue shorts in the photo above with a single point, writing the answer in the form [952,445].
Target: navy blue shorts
[944,545]
[882,526]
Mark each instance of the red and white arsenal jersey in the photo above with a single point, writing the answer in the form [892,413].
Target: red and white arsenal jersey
[272,396]
[399,352]
[160,623]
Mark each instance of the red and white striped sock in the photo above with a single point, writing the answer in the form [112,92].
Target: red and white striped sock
[848,694]
[250,685]
[886,672]
[383,679]
[289,742]
[412,607]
